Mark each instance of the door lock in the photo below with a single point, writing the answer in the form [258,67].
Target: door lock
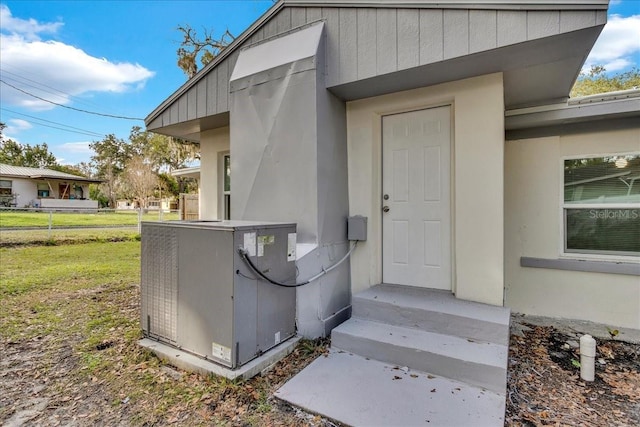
[385,197]
[385,209]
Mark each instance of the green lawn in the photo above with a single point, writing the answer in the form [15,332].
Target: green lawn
[43,268]
[17,237]
[70,323]
[67,219]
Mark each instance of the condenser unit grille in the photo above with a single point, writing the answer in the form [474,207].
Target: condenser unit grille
[198,295]
[159,283]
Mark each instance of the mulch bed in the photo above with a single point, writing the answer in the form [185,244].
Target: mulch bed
[545,388]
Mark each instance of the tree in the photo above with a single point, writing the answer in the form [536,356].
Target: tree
[117,162]
[596,81]
[16,154]
[139,180]
[169,184]
[193,48]
[164,153]
[11,152]
[112,154]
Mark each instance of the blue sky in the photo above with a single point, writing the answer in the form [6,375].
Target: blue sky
[118,58]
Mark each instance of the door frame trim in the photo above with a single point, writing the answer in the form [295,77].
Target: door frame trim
[379,233]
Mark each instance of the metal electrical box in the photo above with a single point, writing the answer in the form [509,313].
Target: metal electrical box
[199,295]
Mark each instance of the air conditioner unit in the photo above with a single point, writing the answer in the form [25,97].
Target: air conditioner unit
[199,295]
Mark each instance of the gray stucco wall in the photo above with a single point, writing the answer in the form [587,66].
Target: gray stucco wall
[289,164]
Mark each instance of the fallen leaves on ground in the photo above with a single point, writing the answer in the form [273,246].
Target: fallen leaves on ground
[86,372]
[545,388]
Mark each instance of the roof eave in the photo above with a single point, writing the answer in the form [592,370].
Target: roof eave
[597,107]
[459,4]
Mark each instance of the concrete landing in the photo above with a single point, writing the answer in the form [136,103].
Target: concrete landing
[189,362]
[450,358]
[363,392]
[481,364]
[433,310]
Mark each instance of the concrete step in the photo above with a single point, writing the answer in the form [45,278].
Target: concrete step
[433,310]
[362,392]
[481,364]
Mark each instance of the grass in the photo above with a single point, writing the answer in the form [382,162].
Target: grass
[11,238]
[67,268]
[9,218]
[71,313]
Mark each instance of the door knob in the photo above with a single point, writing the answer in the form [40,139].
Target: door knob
[385,209]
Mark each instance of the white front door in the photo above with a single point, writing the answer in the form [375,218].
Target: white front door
[416,218]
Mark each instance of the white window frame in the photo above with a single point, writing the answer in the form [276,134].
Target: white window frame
[222,194]
[590,255]
[10,187]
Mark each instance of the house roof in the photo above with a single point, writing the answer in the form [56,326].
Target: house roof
[618,110]
[35,173]
[384,46]
[192,172]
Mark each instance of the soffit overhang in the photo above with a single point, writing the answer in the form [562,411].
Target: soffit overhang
[615,110]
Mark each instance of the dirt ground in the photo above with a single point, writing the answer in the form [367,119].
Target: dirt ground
[544,385]
[46,381]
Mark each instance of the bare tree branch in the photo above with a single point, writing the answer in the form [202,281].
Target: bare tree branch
[192,48]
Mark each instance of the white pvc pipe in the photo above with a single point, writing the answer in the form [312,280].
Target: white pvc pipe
[587,357]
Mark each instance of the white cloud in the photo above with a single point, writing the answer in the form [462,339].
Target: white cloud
[27,28]
[76,148]
[16,126]
[619,41]
[72,153]
[66,68]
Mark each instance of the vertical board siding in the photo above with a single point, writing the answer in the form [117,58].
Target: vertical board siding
[348,45]
[571,21]
[166,118]
[314,14]
[212,92]
[201,90]
[542,24]
[192,100]
[456,33]
[512,27]
[332,29]
[270,28]
[182,109]
[408,38]
[257,36]
[431,36]
[483,30]
[298,16]
[223,87]
[283,20]
[387,37]
[367,42]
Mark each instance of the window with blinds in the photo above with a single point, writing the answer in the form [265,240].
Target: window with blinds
[602,205]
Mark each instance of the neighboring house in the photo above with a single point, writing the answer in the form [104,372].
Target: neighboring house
[126,204]
[44,188]
[446,124]
[166,204]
